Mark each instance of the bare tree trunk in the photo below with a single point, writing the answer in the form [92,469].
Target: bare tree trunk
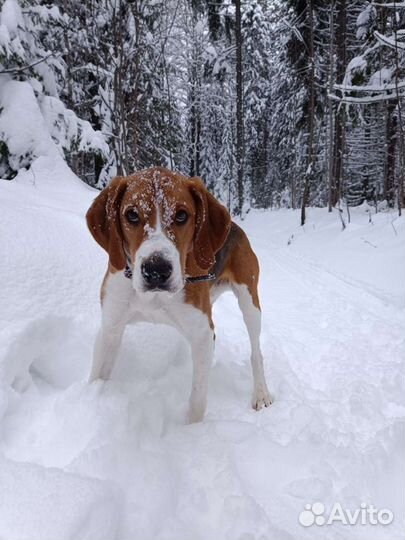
[195,121]
[401,175]
[330,103]
[239,107]
[195,127]
[311,113]
[340,114]
[390,143]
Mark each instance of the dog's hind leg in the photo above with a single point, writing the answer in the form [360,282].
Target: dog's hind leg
[249,305]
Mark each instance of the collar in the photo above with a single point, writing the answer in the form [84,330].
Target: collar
[197,279]
[190,279]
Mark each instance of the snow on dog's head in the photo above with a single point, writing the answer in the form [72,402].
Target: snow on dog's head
[164,225]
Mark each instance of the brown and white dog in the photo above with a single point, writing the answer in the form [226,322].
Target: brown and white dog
[162,231]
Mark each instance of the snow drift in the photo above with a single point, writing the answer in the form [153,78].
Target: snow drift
[116,460]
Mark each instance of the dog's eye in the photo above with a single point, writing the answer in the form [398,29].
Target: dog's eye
[132,216]
[181,217]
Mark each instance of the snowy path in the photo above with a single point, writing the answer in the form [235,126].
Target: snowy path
[116,460]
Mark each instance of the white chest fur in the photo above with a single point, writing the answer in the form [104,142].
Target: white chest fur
[122,305]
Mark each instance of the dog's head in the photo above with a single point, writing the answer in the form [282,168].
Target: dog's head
[158,220]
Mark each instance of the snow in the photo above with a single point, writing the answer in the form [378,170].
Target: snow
[22,142]
[358,64]
[52,127]
[391,42]
[11,17]
[381,77]
[364,21]
[116,460]
[11,20]
[34,122]
[90,513]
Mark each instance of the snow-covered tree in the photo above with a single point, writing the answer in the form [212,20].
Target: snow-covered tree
[374,86]
[256,32]
[293,103]
[33,120]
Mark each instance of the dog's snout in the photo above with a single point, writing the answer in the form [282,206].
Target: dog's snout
[156,270]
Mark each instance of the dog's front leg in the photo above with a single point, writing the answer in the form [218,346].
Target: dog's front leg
[114,317]
[105,351]
[202,350]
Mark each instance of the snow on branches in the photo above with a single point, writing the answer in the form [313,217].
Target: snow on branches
[34,122]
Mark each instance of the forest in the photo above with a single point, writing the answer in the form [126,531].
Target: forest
[129,405]
[274,103]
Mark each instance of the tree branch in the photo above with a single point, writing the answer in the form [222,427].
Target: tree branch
[18,70]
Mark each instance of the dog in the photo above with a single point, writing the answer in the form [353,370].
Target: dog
[172,250]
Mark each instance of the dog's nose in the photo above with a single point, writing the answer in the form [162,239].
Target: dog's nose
[156,270]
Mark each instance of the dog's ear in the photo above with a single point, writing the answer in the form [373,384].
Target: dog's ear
[103,221]
[211,226]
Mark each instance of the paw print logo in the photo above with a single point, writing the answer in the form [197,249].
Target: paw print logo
[312,514]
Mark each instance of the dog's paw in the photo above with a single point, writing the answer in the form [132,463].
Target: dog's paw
[261,398]
[195,415]
[196,411]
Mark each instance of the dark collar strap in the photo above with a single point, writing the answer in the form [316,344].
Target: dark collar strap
[190,279]
[197,279]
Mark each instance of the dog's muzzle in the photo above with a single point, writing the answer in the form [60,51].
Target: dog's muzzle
[156,272]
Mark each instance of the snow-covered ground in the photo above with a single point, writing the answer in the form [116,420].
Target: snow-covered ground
[116,461]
